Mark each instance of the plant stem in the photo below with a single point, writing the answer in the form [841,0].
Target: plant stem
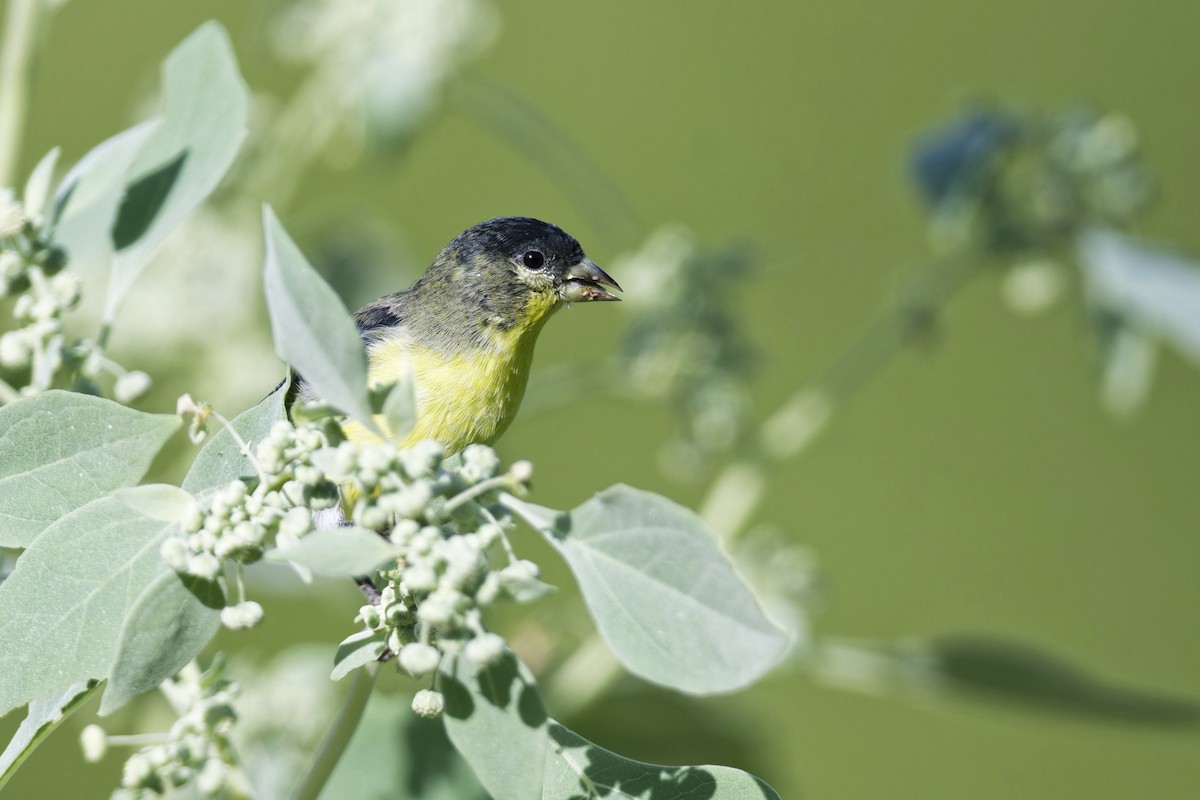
[16,55]
[337,738]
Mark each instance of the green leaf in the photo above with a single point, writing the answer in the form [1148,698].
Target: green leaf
[160,501]
[203,125]
[663,595]
[60,450]
[577,768]
[88,197]
[37,188]
[347,551]
[495,718]
[63,607]
[312,329]
[400,408]
[171,622]
[222,460]
[395,753]
[41,720]
[356,650]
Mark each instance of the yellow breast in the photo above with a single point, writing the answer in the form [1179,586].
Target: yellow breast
[462,398]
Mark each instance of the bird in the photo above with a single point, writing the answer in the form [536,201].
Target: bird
[465,330]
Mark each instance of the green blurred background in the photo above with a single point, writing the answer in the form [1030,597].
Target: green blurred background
[977,486]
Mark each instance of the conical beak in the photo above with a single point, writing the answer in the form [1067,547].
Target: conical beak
[584,282]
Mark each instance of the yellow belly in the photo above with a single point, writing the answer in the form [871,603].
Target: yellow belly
[462,399]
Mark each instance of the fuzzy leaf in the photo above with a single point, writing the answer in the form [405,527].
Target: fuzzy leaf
[400,408]
[87,199]
[41,720]
[160,501]
[222,460]
[577,768]
[203,125]
[312,329]
[395,753]
[63,607]
[347,551]
[171,622]
[496,720]
[37,188]
[60,450]
[663,595]
[356,650]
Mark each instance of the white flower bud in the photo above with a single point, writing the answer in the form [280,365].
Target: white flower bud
[439,608]
[369,616]
[419,659]
[485,649]
[479,463]
[521,472]
[403,531]
[489,590]
[136,770]
[465,564]
[94,741]
[204,565]
[296,522]
[131,386]
[420,460]
[428,704]
[245,614]
[211,779]
[419,578]
[175,553]
[15,350]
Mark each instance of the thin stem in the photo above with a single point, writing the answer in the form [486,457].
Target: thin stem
[16,55]
[337,738]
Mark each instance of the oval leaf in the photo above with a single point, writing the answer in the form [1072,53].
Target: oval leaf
[60,450]
[357,650]
[578,768]
[202,128]
[42,718]
[347,551]
[663,595]
[495,718]
[171,622]
[312,329]
[62,608]
[222,460]
[160,501]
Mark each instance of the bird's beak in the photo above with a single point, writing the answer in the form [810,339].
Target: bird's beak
[585,281]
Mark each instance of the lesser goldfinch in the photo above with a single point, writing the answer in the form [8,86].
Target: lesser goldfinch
[465,331]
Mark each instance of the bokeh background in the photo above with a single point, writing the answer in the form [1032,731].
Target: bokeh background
[976,485]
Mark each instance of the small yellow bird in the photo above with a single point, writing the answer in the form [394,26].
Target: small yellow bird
[466,330]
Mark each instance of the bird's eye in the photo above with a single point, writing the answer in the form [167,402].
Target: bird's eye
[533,259]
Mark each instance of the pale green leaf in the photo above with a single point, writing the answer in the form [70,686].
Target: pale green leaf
[37,188]
[41,720]
[356,650]
[663,595]
[396,754]
[577,768]
[312,329]
[347,551]
[87,199]
[60,450]
[496,720]
[160,501]
[63,607]
[222,459]
[203,125]
[400,408]
[168,626]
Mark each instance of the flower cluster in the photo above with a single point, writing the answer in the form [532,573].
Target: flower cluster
[37,350]
[238,522]
[443,516]
[445,519]
[197,749]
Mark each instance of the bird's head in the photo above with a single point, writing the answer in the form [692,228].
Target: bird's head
[512,264]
